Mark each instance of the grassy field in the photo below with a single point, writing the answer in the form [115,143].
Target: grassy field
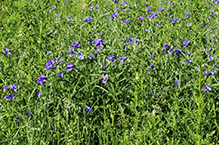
[104,72]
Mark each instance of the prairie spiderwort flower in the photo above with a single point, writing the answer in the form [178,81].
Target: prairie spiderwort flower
[211,58]
[42,79]
[122,59]
[137,42]
[197,68]
[111,58]
[144,4]
[153,91]
[164,50]
[166,45]
[189,60]
[53,6]
[88,109]
[14,88]
[105,78]
[189,24]
[178,51]
[57,15]
[214,66]
[187,14]
[186,42]
[28,113]
[11,96]
[148,70]
[91,56]
[209,89]
[69,17]
[152,65]
[96,7]
[7,51]
[140,18]
[171,3]
[153,55]
[80,55]
[188,53]
[205,89]
[91,8]
[99,42]
[213,72]
[207,73]
[122,41]
[6,87]
[39,94]
[126,21]
[69,67]
[66,1]
[60,74]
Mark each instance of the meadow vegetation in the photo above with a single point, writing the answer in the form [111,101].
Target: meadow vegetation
[109,72]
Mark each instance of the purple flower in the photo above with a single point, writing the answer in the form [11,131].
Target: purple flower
[136,4]
[96,7]
[197,68]
[39,94]
[88,109]
[122,59]
[57,15]
[207,73]
[153,55]
[28,113]
[209,89]
[105,78]
[111,58]
[171,3]
[164,50]
[10,97]
[187,14]
[6,87]
[69,67]
[152,65]
[98,42]
[42,79]
[188,53]
[148,70]
[50,11]
[208,18]
[189,60]
[178,51]
[7,51]
[213,72]
[211,58]
[69,17]
[205,89]
[14,88]
[126,21]
[166,45]
[144,4]
[176,84]
[80,55]
[66,1]
[214,66]
[91,7]
[140,18]
[189,24]
[186,42]
[91,56]
[137,42]
[122,41]
[53,6]
[153,91]
[60,74]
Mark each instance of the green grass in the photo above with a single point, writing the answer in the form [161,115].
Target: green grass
[128,110]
